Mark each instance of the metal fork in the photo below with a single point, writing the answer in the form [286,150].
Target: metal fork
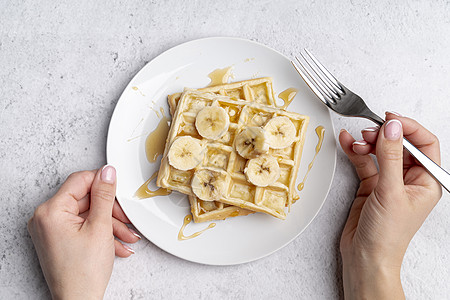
[343,101]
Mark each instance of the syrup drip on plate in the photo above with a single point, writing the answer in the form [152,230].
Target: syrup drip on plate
[320,131]
[287,96]
[145,192]
[187,220]
[135,88]
[220,76]
[156,140]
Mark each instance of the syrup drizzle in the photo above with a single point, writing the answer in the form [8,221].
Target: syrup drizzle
[287,96]
[135,137]
[144,191]
[220,76]
[187,220]
[135,88]
[155,111]
[156,140]
[320,131]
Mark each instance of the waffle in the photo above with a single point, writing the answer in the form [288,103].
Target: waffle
[220,154]
[259,90]
[204,211]
[255,90]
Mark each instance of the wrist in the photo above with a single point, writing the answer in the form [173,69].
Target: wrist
[76,293]
[371,279]
[76,296]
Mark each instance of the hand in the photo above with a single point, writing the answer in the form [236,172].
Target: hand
[390,205]
[73,233]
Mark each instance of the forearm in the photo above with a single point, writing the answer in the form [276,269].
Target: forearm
[365,281]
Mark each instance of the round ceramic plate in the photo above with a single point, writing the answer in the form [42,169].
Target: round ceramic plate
[138,112]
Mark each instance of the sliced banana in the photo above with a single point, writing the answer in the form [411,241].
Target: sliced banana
[251,142]
[185,153]
[212,122]
[263,170]
[208,184]
[281,132]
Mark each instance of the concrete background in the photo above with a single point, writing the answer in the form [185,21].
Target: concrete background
[63,66]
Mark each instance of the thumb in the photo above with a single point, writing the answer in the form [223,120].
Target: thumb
[389,151]
[103,192]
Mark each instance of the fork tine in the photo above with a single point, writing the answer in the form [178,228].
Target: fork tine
[316,90]
[319,84]
[335,92]
[330,76]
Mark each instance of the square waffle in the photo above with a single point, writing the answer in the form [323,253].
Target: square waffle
[259,90]
[220,154]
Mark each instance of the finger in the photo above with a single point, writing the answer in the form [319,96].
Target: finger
[390,156]
[76,186]
[84,215]
[103,193]
[364,164]
[419,136]
[83,204]
[119,214]
[362,147]
[370,134]
[122,250]
[122,232]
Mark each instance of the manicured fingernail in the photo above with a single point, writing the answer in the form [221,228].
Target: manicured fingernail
[108,174]
[371,129]
[128,248]
[393,130]
[394,113]
[362,143]
[342,130]
[134,233]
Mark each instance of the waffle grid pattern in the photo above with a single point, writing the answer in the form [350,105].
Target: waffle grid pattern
[220,155]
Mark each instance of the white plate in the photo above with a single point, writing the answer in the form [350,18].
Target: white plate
[235,240]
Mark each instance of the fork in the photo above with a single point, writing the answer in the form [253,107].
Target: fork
[340,99]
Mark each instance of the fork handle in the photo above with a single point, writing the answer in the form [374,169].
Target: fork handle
[433,169]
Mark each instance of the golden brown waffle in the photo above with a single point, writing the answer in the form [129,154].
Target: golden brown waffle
[221,154]
[259,90]
[254,90]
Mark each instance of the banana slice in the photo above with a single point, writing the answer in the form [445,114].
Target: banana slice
[208,184]
[263,170]
[212,122]
[185,153]
[281,132]
[251,142]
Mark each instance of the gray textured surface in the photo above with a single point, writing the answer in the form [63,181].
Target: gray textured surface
[64,65]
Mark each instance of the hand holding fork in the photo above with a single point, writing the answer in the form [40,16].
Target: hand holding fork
[391,203]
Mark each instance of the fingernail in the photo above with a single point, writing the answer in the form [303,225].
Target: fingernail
[371,129]
[342,130]
[128,248]
[394,113]
[108,174]
[362,143]
[134,233]
[393,130]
